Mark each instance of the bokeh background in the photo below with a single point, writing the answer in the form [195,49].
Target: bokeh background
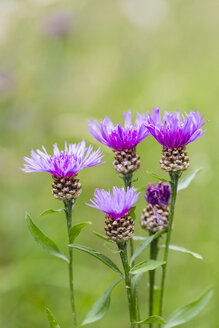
[62,62]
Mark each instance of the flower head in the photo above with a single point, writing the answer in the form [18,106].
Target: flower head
[176,130]
[118,137]
[116,204]
[158,194]
[65,163]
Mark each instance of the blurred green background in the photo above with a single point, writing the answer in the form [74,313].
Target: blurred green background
[62,62]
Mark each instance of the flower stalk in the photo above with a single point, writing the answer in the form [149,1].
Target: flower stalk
[68,211]
[174,176]
[131,301]
[153,256]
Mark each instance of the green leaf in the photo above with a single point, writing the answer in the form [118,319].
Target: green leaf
[102,236]
[101,307]
[156,319]
[189,311]
[132,212]
[97,255]
[184,183]
[76,229]
[146,266]
[184,250]
[44,241]
[142,188]
[51,211]
[109,247]
[156,176]
[144,244]
[52,320]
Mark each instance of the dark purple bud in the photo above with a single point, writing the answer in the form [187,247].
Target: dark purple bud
[158,194]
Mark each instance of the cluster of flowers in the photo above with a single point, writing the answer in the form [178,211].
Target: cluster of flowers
[173,133]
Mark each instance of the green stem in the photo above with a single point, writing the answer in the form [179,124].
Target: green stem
[68,212]
[131,302]
[174,184]
[127,178]
[153,256]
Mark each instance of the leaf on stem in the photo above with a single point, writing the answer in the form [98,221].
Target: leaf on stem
[101,307]
[184,183]
[51,211]
[52,320]
[184,250]
[156,319]
[44,241]
[156,176]
[144,244]
[189,311]
[102,236]
[135,282]
[76,229]
[106,260]
[146,266]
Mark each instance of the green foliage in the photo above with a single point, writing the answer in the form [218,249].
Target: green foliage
[146,266]
[52,320]
[152,319]
[184,250]
[76,229]
[184,183]
[144,244]
[101,307]
[189,311]
[102,236]
[51,211]
[109,247]
[45,242]
[156,177]
[106,260]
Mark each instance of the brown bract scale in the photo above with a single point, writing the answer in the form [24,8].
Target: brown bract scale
[126,161]
[66,188]
[174,160]
[149,220]
[121,229]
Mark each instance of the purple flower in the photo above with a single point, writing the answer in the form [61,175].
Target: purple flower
[116,204]
[158,194]
[175,131]
[63,163]
[118,137]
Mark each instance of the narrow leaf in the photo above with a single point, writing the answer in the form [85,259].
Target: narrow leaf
[144,244]
[184,183]
[152,319]
[44,241]
[189,311]
[146,266]
[101,307]
[51,211]
[139,238]
[156,176]
[102,236]
[132,212]
[135,282]
[184,250]
[106,260]
[52,320]
[142,188]
[76,229]
[109,247]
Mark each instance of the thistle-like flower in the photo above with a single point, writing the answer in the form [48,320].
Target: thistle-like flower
[116,206]
[64,167]
[174,133]
[156,216]
[123,140]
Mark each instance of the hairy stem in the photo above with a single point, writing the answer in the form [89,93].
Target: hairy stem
[153,256]
[68,212]
[174,184]
[131,302]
